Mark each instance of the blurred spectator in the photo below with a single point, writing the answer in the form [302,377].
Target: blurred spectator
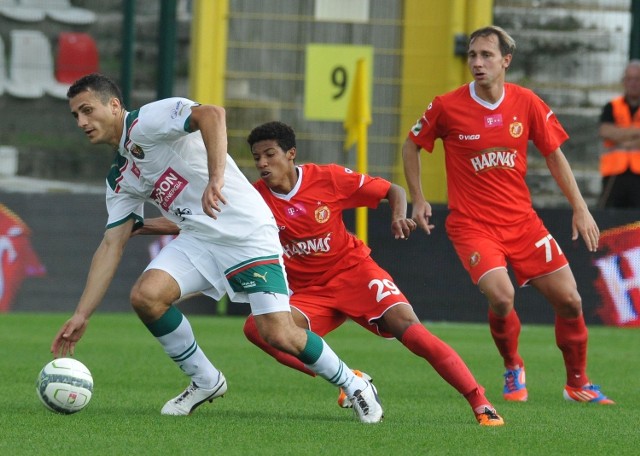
[620,131]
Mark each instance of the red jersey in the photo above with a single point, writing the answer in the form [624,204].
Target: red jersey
[316,244]
[486,149]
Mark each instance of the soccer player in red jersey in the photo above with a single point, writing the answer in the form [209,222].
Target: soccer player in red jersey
[330,271]
[485,127]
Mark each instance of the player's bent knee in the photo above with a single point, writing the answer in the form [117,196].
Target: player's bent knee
[501,307]
[149,304]
[397,320]
[569,306]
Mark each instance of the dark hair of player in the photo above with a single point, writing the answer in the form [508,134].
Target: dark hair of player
[280,132]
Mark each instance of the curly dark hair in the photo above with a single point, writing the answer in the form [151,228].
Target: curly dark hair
[280,132]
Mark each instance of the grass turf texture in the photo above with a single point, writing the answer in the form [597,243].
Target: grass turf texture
[270,409]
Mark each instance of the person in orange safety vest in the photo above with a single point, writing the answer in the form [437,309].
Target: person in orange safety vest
[620,132]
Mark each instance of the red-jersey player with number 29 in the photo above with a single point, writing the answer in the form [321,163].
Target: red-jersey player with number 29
[485,127]
[330,272]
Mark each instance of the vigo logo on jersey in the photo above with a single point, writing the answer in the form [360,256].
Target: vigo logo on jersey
[308,246]
[488,159]
[167,188]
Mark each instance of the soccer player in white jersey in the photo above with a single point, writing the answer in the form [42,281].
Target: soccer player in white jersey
[172,153]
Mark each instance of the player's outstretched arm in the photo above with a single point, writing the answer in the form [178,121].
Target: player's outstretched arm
[583,223]
[103,267]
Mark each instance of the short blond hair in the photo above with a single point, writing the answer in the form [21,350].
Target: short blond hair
[506,43]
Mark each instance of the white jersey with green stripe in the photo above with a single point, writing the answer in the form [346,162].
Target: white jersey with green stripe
[159,161]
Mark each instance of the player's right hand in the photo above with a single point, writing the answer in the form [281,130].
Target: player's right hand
[421,213]
[212,197]
[65,341]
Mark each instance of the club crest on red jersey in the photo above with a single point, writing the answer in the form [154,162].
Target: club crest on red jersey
[322,214]
[516,129]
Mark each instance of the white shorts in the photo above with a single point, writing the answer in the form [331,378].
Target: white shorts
[238,270]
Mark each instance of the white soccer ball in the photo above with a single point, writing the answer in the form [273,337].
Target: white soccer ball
[65,385]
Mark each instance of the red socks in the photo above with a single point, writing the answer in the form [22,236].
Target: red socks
[571,338]
[505,332]
[446,362]
[251,332]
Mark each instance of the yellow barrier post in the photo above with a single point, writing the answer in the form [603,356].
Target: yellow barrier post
[431,67]
[208,51]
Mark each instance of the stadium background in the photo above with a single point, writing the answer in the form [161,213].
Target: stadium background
[572,56]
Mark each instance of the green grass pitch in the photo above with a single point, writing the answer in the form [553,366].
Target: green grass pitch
[273,410]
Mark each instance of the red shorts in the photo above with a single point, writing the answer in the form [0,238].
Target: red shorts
[362,293]
[527,247]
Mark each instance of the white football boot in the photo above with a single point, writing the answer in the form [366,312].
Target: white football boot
[366,404]
[193,396]
[343,399]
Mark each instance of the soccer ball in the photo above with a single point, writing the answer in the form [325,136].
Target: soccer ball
[64,385]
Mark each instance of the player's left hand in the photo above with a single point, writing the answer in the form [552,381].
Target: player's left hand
[212,197]
[584,225]
[402,228]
